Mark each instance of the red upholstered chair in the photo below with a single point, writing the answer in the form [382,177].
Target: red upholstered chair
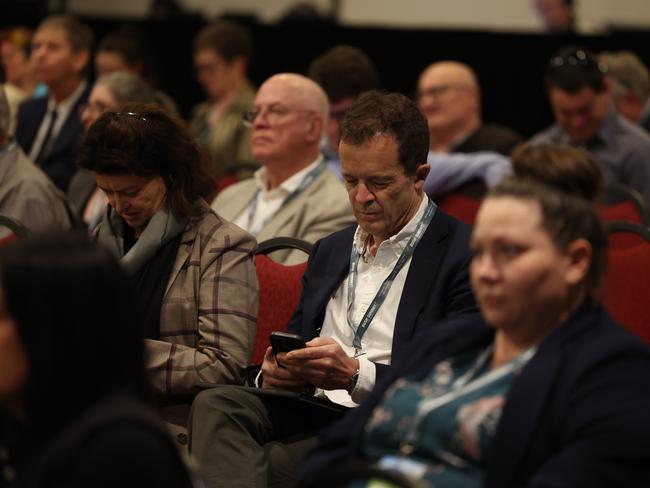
[627,283]
[625,204]
[280,288]
[17,230]
[463,207]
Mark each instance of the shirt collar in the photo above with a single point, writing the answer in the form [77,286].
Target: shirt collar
[66,104]
[289,185]
[398,241]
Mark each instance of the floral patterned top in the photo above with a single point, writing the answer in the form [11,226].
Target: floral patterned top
[439,428]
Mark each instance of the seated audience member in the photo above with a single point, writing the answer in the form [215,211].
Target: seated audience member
[544,390]
[193,270]
[72,388]
[630,85]
[368,290]
[48,128]
[19,80]
[108,93]
[222,52]
[292,194]
[570,169]
[585,117]
[127,49]
[344,72]
[449,97]
[26,193]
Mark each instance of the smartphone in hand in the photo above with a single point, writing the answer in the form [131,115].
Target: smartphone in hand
[285,342]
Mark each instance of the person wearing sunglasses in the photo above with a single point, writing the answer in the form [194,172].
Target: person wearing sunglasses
[580,98]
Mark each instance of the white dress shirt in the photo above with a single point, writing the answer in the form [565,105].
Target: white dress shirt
[270,201]
[378,339]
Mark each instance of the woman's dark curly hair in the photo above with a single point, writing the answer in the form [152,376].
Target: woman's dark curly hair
[144,140]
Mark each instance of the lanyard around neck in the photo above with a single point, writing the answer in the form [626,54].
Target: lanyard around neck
[385,286]
[252,206]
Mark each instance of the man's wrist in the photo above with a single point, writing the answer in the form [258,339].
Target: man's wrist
[354,378]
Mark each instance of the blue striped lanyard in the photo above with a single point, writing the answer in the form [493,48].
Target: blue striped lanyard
[385,286]
[252,206]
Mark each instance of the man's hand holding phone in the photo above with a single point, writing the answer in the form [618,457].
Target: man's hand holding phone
[274,374]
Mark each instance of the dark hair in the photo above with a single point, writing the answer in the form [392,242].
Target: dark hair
[566,217]
[344,72]
[381,113]
[227,38]
[79,34]
[144,140]
[573,68]
[78,323]
[566,168]
[132,45]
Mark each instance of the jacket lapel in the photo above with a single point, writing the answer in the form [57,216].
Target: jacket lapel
[422,272]
[529,394]
[183,255]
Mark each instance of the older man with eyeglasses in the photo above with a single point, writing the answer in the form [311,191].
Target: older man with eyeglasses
[292,194]
[579,94]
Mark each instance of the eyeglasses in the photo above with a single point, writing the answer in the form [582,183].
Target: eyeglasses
[579,59]
[274,114]
[437,91]
[131,114]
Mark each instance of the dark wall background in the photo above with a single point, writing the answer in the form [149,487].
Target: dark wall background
[509,66]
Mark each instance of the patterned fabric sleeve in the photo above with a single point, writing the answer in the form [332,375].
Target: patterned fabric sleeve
[209,312]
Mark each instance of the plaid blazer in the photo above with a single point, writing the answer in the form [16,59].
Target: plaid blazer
[209,310]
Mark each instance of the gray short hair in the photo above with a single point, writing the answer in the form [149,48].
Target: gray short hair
[127,87]
[5,115]
[627,72]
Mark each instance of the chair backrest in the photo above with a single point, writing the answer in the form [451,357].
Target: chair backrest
[624,203]
[623,211]
[280,289]
[462,207]
[627,283]
[16,229]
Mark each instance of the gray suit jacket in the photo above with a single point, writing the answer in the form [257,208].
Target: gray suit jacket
[321,209]
[28,195]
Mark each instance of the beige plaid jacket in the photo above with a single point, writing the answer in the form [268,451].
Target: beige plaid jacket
[209,310]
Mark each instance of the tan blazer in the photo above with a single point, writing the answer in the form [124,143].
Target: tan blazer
[321,209]
[209,311]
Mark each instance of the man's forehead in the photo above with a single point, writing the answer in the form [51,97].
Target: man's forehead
[278,91]
[51,32]
[445,73]
[584,96]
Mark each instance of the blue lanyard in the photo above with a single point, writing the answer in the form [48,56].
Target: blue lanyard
[252,206]
[385,286]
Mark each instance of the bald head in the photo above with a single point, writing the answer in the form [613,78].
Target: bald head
[449,97]
[292,114]
[305,93]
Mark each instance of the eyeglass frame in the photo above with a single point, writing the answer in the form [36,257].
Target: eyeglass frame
[275,110]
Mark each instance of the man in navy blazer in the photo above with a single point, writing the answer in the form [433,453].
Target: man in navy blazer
[368,290]
[49,129]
